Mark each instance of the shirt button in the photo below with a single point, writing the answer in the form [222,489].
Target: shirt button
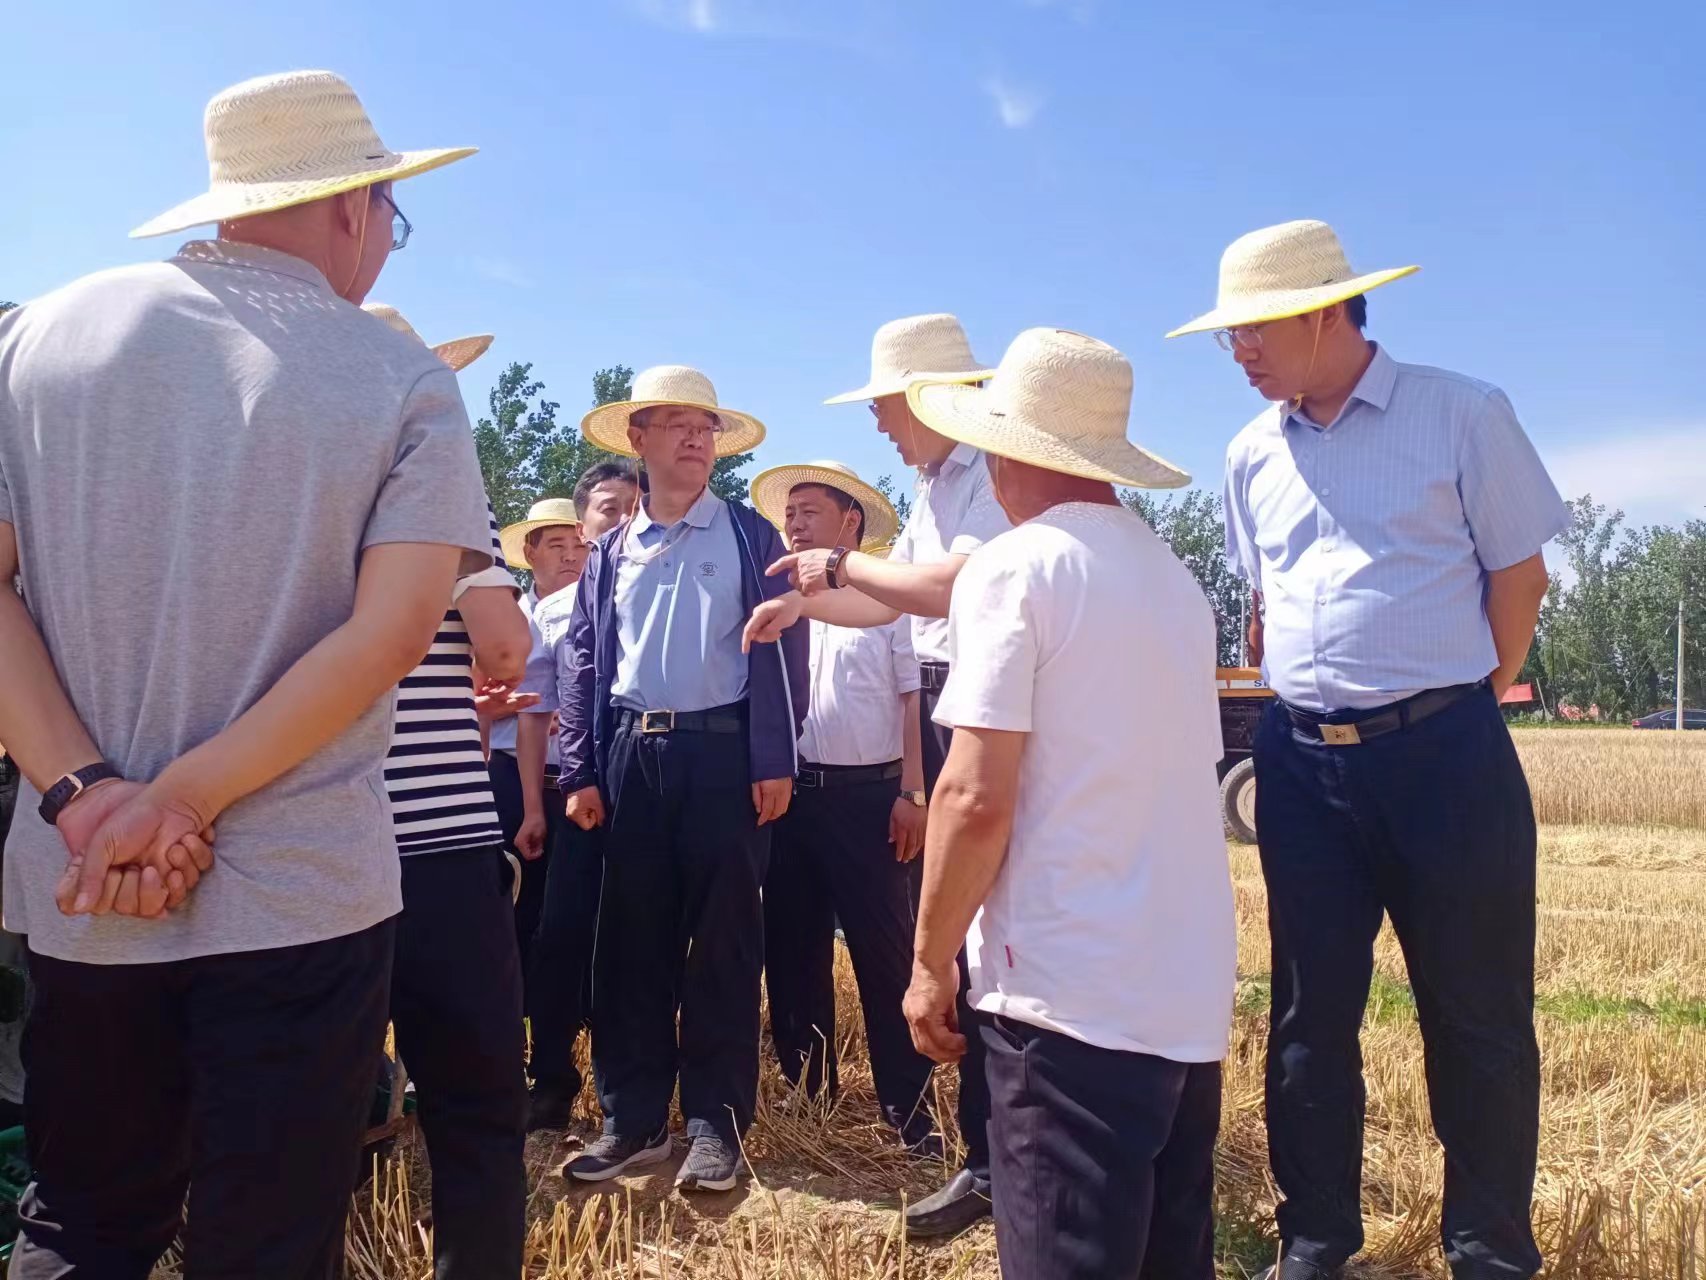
[1320,599]
[1326,492]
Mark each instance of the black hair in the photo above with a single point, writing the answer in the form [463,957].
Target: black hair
[1356,311]
[601,473]
[844,502]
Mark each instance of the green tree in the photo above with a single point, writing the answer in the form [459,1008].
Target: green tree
[1190,523]
[7,306]
[901,503]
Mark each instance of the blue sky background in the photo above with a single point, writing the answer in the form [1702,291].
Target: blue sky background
[752,186]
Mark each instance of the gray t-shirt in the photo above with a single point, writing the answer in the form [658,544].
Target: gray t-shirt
[194,455]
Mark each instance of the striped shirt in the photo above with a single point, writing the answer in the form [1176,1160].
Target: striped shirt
[1371,539]
[435,773]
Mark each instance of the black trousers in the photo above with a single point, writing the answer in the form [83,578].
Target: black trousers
[1103,1160]
[831,859]
[559,976]
[680,930]
[456,1011]
[974,1087]
[244,1079]
[1432,826]
[505,774]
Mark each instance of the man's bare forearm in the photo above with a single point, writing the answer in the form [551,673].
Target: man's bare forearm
[911,744]
[38,724]
[531,731]
[401,596]
[964,847]
[848,607]
[922,590]
[1514,596]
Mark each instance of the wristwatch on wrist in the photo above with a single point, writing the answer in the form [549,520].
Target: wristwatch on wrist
[832,566]
[71,786]
[917,797]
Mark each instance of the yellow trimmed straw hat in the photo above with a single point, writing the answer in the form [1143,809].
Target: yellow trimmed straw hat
[458,353]
[542,514]
[1060,401]
[916,349]
[1288,270]
[770,490]
[670,384]
[282,140]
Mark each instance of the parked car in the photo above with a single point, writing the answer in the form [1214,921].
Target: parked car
[1692,718]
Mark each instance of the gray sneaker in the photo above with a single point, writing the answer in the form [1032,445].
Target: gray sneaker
[612,1155]
[711,1165]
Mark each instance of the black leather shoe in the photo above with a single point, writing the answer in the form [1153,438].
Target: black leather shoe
[947,1212]
[1298,1269]
[549,1108]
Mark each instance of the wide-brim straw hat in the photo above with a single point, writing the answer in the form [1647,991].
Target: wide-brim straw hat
[541,515]
[282,140]
[770,490]
[1288,270]
[916,349]
[1060,401]
[458,353]
[670,384]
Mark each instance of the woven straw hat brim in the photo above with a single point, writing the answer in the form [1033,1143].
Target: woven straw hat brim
[459,353]
[607,426]
[243,200]
[770,490]
[878,388]
[1281,304]
[513,539]
[969,415]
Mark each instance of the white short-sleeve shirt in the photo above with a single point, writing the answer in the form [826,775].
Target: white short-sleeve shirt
[1111,919]
[858,676]
[954,512]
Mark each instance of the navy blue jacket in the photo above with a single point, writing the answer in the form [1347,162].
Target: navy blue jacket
[777,681]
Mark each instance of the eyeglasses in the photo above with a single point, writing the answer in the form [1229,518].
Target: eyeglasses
[401,227]
[1248,335]
[686,430]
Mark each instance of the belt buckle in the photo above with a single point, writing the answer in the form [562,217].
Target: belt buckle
[810,779]
[657,722]
[1340,735]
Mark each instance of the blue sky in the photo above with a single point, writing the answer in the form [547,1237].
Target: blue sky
[752,186]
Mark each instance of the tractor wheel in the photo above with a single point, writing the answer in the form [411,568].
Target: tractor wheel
[1238,801]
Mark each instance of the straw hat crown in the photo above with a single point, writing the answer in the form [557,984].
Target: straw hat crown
[670,384]
[1059,400]
[931,348]
[281,140]
[1287,270]
[458,353]
[770,490]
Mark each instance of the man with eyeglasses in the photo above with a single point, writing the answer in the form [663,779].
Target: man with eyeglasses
[1389,519]
[684,748]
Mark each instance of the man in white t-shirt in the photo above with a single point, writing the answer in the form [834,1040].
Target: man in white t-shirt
[1076,819]
[843,849]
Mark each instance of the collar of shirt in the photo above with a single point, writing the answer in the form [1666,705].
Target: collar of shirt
[961,458]
[1374,389]
[699,515]
[233,253]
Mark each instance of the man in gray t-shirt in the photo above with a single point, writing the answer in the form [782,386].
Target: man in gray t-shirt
[238,505]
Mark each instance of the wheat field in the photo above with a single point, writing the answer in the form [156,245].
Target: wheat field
[1621,993]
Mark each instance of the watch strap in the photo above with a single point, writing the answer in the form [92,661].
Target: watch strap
[832,566]
[72,785]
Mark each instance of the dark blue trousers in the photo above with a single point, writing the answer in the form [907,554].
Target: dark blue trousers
[1103,1160]
[559,973]
[1431,826]
[680,931]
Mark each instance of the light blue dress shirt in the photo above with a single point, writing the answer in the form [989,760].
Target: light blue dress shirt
[1371,539]
[679,612]
[548,621]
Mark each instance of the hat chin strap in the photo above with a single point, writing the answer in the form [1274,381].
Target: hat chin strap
[1314,350]
[360,243]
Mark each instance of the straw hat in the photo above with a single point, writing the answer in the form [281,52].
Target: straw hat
[916,349]
[458,353]
[770,490]
[1059,401]
[666,384]
[542,514]
[282,140]
[1288,270]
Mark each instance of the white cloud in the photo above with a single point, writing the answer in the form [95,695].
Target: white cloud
[679,15]
[1015,105]
[501,271]
[1656,475]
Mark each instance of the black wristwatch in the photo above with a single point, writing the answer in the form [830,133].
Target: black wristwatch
[69,787]
[832,566]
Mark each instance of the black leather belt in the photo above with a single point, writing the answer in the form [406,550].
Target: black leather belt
[933,676]
[844,775]
[729,719]
[1350,729]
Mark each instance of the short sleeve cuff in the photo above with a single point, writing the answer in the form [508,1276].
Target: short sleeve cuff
[964,544]
[490,577]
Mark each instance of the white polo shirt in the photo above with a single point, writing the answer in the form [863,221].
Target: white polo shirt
[1111,919]
[954,512]
[858,677]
